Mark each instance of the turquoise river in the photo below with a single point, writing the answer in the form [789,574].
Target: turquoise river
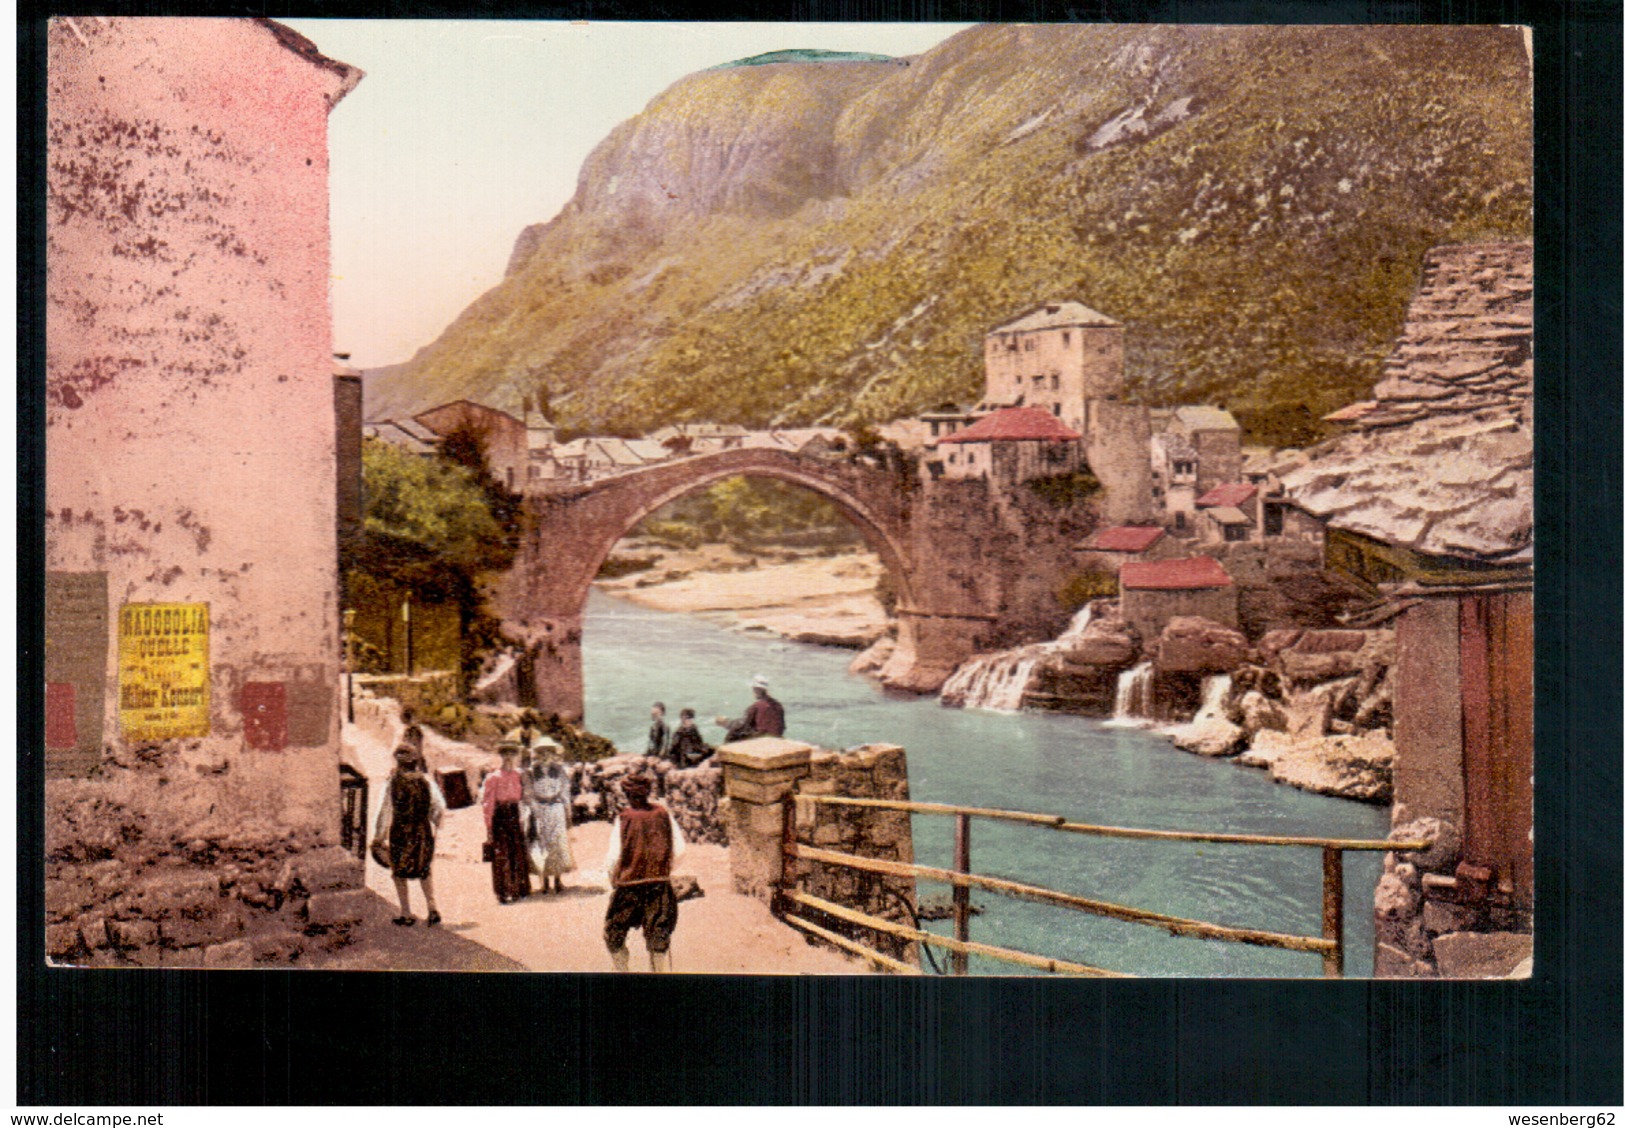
[1054,764]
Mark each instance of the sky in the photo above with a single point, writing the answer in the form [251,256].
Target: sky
[464,132]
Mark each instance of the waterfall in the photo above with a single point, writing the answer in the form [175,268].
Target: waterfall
[1215,688]
[1074,630]
[1133,705]
[993,681]
[999,681]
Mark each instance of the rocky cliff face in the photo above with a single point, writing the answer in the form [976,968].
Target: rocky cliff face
[827,241]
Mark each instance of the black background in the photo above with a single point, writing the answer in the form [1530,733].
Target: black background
[195,1038]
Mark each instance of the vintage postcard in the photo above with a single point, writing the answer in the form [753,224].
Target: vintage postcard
[879,499]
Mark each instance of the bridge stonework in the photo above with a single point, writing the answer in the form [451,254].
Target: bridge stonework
[973,569]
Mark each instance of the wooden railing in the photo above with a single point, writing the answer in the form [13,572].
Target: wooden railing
[1328,945]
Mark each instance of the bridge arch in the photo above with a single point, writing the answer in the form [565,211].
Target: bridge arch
[570,533]
[881,539]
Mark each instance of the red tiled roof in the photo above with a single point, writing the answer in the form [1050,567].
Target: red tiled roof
[1126,538]
[1234,494]
[1170,575]
[1015,424]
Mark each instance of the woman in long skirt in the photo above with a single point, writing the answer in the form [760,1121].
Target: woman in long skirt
[407,820]
[549,803]
[502,795]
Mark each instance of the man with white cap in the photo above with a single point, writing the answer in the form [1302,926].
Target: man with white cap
[765,717]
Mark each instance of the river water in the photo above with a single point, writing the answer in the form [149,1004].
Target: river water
[1072,766]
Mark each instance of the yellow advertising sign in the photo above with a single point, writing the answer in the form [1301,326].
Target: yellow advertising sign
[163,670]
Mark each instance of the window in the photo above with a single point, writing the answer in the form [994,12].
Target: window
[970,460]
[1066,339]
[1179,520]
[510,479]
[1057,409]
[1054,381]
[1018,379]
[1030,344]
[1274,520]
[1182,467]
[1235,532]
[936,429]
[953,459]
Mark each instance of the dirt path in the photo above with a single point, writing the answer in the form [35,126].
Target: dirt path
[719,933]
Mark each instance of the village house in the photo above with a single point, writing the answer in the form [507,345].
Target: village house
[506,440]
[1229,513]
[192,633]
[699,438]
[408,434]
[1109,549]
[1010,446]
[1153,592]
[1192,450]
[1428,503]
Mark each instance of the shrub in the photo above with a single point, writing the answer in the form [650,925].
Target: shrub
[1062,490]
[1080,587]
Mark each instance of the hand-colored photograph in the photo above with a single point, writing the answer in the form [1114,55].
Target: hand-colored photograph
[789,499]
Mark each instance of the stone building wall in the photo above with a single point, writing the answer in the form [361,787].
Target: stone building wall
[1463,724]
[1149,611]
[1117,437]
[191,464]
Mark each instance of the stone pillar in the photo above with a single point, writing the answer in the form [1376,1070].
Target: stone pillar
[758,777]
[869,771]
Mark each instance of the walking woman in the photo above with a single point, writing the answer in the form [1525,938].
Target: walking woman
[407,820]
[549,802]
[503,795]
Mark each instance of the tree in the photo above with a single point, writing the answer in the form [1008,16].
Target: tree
[431,527]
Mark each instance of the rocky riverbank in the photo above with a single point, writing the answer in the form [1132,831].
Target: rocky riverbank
[1312,707]
[829,600]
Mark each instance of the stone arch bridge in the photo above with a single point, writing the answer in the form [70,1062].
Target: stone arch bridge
[971,571]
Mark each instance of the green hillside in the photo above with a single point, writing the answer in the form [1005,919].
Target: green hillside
[828,243]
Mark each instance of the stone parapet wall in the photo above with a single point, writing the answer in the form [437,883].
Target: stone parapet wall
[869,771]
[771,784]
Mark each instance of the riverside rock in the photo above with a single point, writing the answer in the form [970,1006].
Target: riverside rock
[871,661]
[1106,642]
[1190,644]
[1354,767]
[1210,736]
[1258,712]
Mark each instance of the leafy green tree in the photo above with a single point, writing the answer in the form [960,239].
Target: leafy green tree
[433,528]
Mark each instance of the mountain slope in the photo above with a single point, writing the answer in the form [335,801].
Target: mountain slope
[827,241]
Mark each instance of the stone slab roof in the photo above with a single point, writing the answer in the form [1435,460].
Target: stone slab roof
[1202,417]
[1015,424]
[1174,575]
[394,434]
[1229,515]
[1467,344]
[1442,460]
[1056,315]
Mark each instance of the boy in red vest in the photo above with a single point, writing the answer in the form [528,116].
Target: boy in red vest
[642,845]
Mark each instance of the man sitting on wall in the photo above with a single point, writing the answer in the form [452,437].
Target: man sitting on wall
[765,717]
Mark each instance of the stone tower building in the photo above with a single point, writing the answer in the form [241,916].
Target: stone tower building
[1067,359]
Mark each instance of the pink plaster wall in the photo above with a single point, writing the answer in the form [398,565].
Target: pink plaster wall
[190,415]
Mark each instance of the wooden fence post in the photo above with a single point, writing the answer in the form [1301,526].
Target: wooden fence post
[960,959]
[1331,910]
